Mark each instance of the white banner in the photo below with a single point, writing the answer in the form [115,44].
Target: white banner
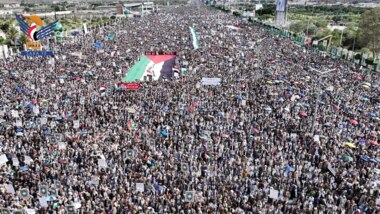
[1,52]
[5,49]
[139,187]
[85,28]
[211,81]
[273,194]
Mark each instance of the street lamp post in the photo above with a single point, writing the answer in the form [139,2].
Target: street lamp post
[320,74]
[341,37]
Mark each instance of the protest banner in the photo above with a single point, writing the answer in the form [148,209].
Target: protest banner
[189,196]
[130,153]
[24,193]
[3,159]
[211,81]
[102,163]
[139,187]
[43,202]
[29,211]
[10,189]
[185,167]
[15,161]
[273,194]
[37,53]
[28,160]
[76,124]
[43,189]
[70,209]
[128,86]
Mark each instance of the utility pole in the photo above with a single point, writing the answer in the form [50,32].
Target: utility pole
[142,9]
[320,74]
[353,46]
[341,37]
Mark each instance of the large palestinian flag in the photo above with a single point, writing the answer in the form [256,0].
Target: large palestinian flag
[157,66]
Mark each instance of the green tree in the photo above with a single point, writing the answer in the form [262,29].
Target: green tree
[298,26]
[311,30]
[323,33]
[22,40]
[12,34]
[322,23]
[235,13]
[64,21]
[336,37]
[337,19]
[56,8]
[4,27]
[349,36]
[266,17]
[266,9]
[370,30]
[48,21]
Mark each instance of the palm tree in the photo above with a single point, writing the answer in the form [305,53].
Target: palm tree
[22,40]
[12,34]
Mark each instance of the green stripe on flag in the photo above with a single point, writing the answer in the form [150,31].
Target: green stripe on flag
[194,36]
[137,70]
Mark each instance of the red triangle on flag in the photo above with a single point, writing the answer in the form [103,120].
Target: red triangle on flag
[160,58]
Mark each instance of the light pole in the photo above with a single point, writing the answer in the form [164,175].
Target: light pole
[353,46]
[320,74]
[307,29]
[341,37]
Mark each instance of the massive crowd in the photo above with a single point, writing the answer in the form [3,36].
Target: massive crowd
[275,136]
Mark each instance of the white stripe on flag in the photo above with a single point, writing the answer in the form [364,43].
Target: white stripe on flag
[157,70]
[147,69]
[154,70]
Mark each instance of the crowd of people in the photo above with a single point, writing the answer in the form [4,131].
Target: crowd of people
[280,134]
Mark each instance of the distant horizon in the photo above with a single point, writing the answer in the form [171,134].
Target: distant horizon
[50,1]
[116,1]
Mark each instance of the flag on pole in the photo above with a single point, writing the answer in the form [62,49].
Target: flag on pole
[194,36]
[102,88]
[131,125]
[183,71]
[111,37]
